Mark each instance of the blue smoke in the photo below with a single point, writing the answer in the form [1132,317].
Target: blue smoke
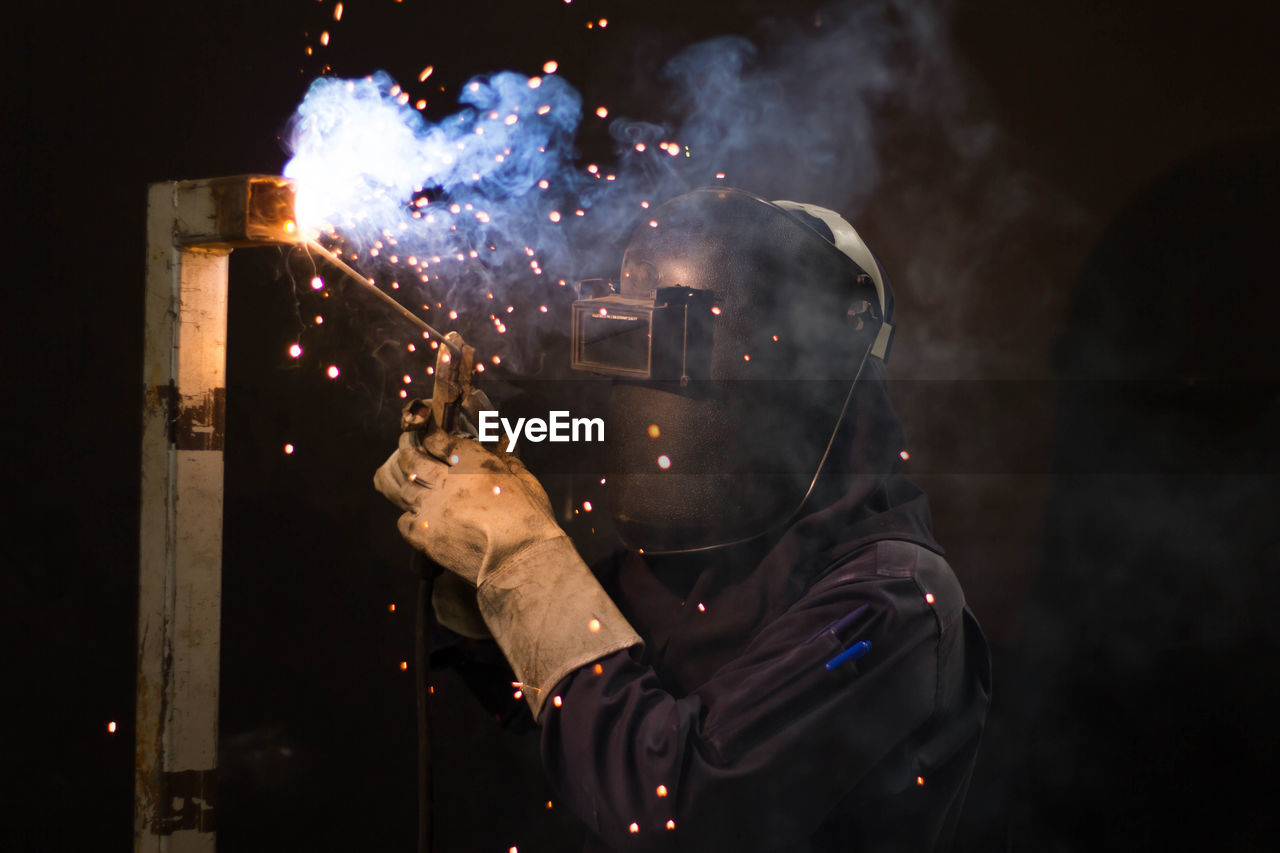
[369,167]
[493,200]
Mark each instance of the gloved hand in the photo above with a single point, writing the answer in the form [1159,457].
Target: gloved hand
[453,600]
[467,509]
[486,519]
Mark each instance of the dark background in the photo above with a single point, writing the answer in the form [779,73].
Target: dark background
[1116,539]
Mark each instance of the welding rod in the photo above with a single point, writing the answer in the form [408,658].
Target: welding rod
[355,276]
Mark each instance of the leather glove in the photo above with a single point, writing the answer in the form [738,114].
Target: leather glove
[454,602]
[466,508]
[486,519]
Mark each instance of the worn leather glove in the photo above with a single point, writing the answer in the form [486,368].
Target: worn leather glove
[486,519]
[465,508]
[453,600]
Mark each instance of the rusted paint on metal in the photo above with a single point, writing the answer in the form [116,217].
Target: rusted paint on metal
[245,210]
[189,800]
[200,422]
[163,399]
[146,744]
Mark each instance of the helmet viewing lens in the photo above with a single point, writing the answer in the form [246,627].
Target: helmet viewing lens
[668,338]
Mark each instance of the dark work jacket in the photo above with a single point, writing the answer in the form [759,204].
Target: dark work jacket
[758,746]
[726,731]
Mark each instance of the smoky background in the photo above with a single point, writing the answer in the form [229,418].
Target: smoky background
[1057,193]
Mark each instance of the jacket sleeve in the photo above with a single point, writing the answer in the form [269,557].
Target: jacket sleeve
[756,757]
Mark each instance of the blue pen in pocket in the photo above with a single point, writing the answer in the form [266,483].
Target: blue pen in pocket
[836,628]
[854,652]
[841,624]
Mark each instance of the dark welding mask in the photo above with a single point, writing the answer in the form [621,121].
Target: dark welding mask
[736,334]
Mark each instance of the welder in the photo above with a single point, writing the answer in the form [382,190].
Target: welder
[780,659]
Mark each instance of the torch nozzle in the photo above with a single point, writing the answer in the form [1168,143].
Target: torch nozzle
[367,284]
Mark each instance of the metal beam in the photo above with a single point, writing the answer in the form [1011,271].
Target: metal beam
[192,226]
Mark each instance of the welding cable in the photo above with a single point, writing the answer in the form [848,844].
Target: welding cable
[422,653]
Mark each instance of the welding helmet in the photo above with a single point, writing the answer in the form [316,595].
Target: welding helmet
[736,333]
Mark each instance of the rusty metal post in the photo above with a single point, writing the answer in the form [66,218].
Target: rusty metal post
[192,226]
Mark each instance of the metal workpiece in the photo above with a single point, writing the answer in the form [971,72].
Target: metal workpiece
[231,213]
[192,226]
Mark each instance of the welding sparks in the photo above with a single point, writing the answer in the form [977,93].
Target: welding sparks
[337,12]
[928,597]
[333,371]
[671,824]
[111,727]
[359,144]
[288,450]
[905,455]
[557,701]
[295,351]
[404,665]
[702,608]
[664,462]
[594,626]
[654,431]
[662,790]
[635,827]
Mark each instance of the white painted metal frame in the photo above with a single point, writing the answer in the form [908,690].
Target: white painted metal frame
[192,226]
